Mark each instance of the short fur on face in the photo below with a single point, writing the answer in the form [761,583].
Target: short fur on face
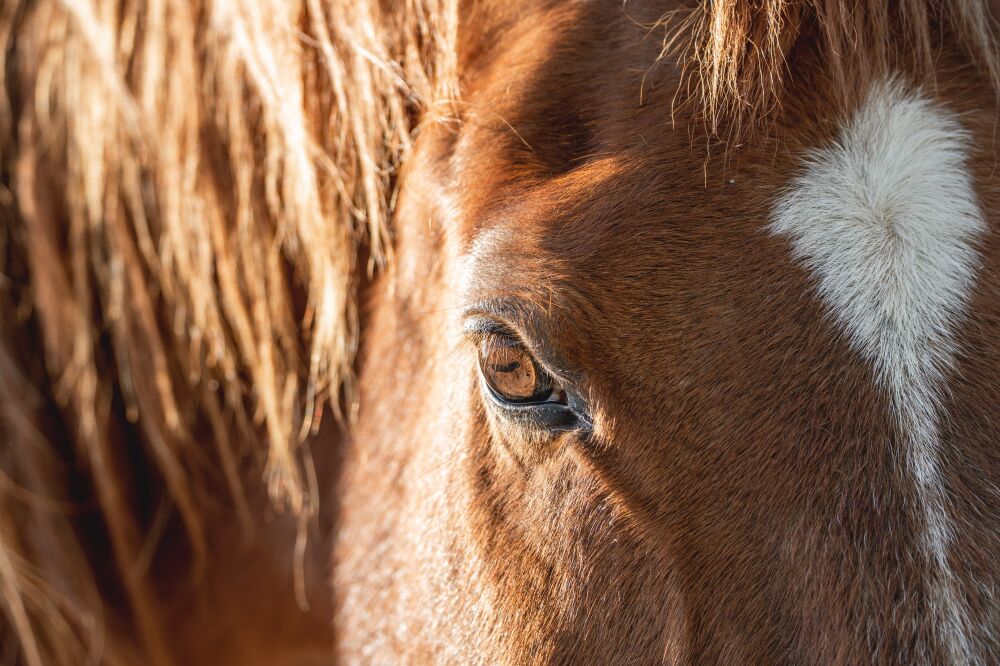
[743,327]
[195,198]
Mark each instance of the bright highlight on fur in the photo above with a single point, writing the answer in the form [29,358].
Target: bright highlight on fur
[887,219]
[190,191]
[738,54]
[174,175]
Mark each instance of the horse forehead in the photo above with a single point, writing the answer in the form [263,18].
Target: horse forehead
[886,219]
[886,216]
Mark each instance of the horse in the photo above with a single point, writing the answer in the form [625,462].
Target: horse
[467,331]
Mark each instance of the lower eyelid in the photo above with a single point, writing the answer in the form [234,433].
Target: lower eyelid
[551,416]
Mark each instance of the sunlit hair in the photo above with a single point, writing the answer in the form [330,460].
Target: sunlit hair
[186,191]
[737,55]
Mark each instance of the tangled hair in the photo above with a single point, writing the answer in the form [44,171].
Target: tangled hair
[737,55]
[186,189]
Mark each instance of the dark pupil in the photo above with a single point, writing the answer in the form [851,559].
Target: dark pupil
[511,367]
[511,372]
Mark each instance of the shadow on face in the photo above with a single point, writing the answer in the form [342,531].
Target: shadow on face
[629,421]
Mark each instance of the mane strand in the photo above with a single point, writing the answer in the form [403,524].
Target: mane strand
[173,176]
[737,53]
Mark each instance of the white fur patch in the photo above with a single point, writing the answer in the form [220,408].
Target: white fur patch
[886,219]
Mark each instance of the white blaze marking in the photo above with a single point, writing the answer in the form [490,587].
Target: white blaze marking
[886,218]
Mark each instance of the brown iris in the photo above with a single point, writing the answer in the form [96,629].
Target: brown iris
[511,372]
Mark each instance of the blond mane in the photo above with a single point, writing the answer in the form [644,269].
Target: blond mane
[174,176]
[185,191]
[738,55]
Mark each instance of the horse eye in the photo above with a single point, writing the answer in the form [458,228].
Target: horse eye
[513,375]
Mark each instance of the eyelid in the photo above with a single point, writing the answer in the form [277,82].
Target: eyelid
[477,327]
[501,315]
